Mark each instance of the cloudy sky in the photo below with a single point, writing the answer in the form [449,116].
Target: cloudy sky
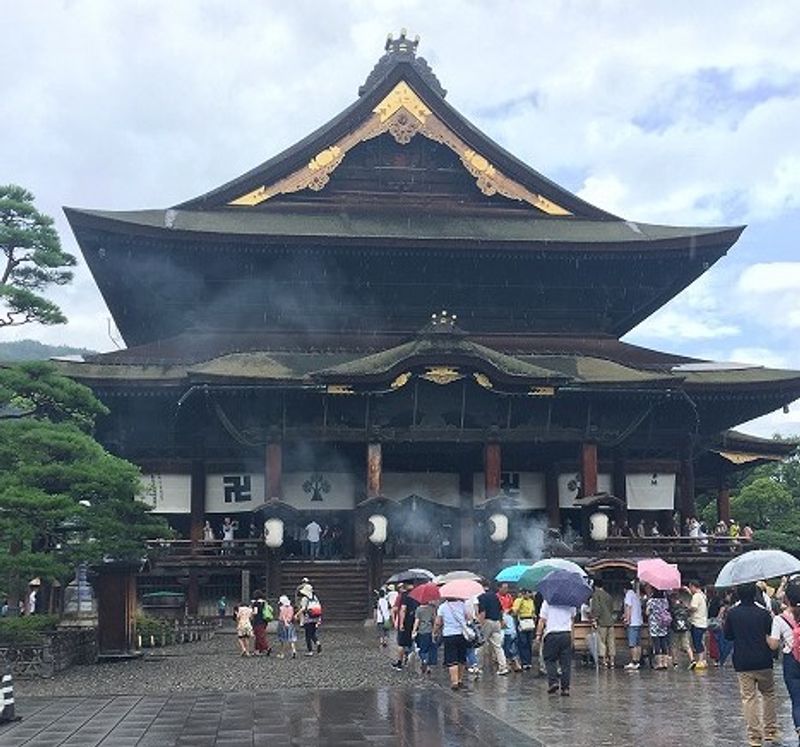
[680,112]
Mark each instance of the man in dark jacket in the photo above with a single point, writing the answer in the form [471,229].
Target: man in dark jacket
[748,625]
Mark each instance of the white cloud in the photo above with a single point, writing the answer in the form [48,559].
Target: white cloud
[778,422]
[769,293]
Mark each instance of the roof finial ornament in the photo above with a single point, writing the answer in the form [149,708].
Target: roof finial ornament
[443,322]
[402,45]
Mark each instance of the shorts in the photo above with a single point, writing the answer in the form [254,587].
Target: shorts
[245,631]
[634,633]
[455,650]
[697,639]
[404,639]
[286,633]
[660,644]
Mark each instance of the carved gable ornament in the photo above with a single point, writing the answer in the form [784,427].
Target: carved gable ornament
[403,115]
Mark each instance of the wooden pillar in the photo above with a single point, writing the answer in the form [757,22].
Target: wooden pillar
[273,577]
[374,469]
[491,470]
[115,587]
[551,497]
[273,465]
[619,478]
[687,502]
[466,506]
[245,592]
[193,593]
[588,469]
[197,500]
[723,503]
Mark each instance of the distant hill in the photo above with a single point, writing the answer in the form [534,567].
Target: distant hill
[32,350]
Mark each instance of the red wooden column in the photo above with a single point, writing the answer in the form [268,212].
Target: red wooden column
[551,497]
[723,503]
[588,469]
[374,469]
[491,469]
[620,485]
[273,464]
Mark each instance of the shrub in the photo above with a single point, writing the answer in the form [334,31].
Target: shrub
[26,629]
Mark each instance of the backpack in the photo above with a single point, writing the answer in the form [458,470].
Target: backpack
[663,617]
[314,608]
[267,613]
[680,619]
[795,634]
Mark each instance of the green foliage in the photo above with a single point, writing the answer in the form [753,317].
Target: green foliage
[27,629]
[63,498]
[160,630]
[762,502]
[38,390]
[32,259]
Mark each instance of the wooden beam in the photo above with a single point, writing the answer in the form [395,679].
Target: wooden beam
[551,497]
[491,470]
[374,469]
[724,503]
[197,500]
[588,468]
[273,463]
[466,512]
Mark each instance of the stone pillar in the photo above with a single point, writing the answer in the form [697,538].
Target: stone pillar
[374,469]
[588,469]
[197,500]
[491,470]
[466,506]
[551,497]
[723,503]
[273,466]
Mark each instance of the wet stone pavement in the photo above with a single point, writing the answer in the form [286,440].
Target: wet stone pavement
[204,694]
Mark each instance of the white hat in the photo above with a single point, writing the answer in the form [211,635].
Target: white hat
[306,590]
[284,600]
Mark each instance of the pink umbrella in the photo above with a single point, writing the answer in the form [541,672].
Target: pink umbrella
[425,593]
[659,574]
[462,588]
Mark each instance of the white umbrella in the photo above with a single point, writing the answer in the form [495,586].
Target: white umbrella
[456,576]
[757,565]
[562,564]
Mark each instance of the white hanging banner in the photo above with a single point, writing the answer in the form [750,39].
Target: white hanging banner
[569,485]
[167,494]
[651,491]
[234,492]
[527,488]
[438,487]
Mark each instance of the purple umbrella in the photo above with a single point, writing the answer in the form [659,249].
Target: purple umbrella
[564,589]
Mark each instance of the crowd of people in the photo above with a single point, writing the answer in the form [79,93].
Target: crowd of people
[252,619]
[500,631]
[692,527]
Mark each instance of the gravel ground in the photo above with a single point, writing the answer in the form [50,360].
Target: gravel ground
[351,659]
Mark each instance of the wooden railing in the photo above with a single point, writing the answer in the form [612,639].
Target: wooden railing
[666,547]
[214,552]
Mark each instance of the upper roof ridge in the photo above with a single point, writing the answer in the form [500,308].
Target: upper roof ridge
[398,51]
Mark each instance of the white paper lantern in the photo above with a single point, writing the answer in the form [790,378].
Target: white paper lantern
[273,532]
[378,529]
[598,526]
[498,528]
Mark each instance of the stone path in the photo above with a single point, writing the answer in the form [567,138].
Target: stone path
[204,694]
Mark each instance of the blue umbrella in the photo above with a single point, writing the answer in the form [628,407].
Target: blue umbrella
[511,574]
[564,589]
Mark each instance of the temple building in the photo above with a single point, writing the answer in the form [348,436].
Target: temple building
[396,317]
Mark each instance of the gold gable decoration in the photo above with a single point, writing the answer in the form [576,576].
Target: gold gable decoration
[442,374]
[403,115]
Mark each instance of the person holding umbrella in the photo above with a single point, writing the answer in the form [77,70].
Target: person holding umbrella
[452,619]
[782,636]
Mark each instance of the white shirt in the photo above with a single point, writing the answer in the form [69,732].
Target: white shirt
[698,616]
[312,531]
[382,612]
[782,631]
[557,619]
[227,531]
[632,600]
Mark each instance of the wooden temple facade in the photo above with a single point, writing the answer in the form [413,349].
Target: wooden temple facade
[397,316]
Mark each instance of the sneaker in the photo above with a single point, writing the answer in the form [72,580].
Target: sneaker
[565,692]
[319,648]
[692,664]
[502,672]
[294,654]
[552,690]
[309,653]
[398,666]
[701,665]
[632,666]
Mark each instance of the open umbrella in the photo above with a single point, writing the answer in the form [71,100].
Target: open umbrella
[460,589]
[757,565]
[410,575]
[457,576]
[511,575]
[659,574]
[564,589]
[541,568]
[425,593]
